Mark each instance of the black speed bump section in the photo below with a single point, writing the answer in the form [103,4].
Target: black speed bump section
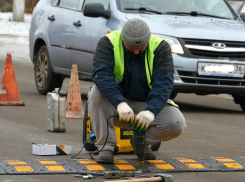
[37,167]
[73,166]
[230,163]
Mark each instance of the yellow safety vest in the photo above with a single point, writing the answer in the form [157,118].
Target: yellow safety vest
[116,40]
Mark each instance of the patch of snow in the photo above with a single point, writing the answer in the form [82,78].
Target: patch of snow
[14,38]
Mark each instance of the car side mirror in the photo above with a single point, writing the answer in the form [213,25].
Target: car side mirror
[96,10]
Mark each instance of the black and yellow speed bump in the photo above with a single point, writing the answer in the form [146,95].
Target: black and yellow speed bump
[73,166]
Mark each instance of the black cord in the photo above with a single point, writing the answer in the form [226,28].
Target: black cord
[79,151]
[91,153]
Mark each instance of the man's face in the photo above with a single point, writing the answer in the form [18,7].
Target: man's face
[135,50]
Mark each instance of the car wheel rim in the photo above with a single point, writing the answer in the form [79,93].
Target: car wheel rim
[42,70]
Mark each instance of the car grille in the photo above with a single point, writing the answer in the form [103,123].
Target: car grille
[192,77]
[214,54]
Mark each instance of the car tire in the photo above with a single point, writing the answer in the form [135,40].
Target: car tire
[46,80]
[173,95]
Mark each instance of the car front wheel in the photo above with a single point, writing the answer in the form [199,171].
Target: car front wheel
[46,80]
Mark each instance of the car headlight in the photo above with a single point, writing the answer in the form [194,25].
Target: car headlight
[174,44]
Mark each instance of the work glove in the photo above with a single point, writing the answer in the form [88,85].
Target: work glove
[143,120]
[125,112]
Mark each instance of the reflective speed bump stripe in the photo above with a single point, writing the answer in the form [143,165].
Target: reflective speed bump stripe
[195,166]
[48,162]
[125,167]
[23,168]
[224,160]
[17,163]
[186,160]
[86,162]
[94,167]
[233,165]
[55,168]
[164,166]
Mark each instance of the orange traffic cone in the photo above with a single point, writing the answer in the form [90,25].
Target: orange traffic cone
[74,108]
[9,93]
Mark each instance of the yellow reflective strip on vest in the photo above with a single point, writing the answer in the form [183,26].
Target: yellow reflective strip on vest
[116,41]
[153,44]
[171,103]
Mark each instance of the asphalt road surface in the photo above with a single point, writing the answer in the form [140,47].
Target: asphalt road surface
[216,128]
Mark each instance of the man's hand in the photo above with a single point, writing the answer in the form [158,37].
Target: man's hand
[125,112]
[143,120]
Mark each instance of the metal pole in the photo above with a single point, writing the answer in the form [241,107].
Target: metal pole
[18,10]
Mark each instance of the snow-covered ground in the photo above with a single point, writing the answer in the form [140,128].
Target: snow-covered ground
[14,39]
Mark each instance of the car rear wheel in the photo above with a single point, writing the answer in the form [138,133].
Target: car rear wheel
[46,80]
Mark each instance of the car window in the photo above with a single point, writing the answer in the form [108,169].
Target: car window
[212,7]
[104,2]
[73,4]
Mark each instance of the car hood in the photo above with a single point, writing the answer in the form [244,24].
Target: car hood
[194,27]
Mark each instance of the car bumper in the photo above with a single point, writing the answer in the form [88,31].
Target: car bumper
[186,79]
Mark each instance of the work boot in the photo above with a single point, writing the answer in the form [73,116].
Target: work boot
[105,156]
[149,154]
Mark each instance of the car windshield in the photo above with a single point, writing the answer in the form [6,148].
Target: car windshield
[216,8]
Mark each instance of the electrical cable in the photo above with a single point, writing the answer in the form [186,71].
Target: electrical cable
[79,151]
[91,153]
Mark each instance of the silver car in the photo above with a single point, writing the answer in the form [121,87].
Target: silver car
[207,38]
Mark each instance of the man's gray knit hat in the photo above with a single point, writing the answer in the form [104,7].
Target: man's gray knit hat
[136,33]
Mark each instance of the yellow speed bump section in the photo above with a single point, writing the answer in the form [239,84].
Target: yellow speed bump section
[233,165]
[224,160]
[125,167]
[17,163]
[55,168]
[164,166]
[48,162]
[86,162]
[156,161]
[186,160]
[23,168]
[94,167]
[195,166]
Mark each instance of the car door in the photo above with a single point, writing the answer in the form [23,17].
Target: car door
[60,30]
[85,38]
